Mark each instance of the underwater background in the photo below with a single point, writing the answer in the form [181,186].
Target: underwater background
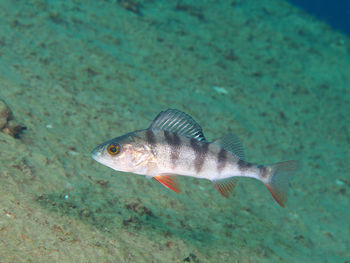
[76,73]
[335,13]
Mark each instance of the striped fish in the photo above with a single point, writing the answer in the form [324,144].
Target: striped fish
[174,144]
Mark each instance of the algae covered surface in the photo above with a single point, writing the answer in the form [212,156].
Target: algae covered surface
[76,73]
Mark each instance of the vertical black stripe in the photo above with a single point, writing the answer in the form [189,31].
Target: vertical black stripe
[222,159]
[150,138]
[243,166]
[174,141]
[262,171]
[200,150]
[172,138]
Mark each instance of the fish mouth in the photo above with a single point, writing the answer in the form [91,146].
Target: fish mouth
[99,156]
[96,154]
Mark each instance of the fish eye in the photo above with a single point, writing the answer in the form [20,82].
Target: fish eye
[113,149]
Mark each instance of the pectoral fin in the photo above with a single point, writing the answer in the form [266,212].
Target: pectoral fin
[169,181]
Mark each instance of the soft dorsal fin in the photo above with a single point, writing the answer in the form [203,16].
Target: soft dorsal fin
[178,122]
[232,144]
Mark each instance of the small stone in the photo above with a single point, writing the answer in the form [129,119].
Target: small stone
[13,129]
[8,124]
[220,90]
[339,182]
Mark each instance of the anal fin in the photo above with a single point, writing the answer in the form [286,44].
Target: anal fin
[225,186]
[169,181]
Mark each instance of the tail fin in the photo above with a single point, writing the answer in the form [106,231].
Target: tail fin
[277,182]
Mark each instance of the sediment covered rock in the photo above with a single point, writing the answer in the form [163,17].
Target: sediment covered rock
[8,124]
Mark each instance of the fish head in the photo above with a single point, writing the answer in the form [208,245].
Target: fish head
[127,153]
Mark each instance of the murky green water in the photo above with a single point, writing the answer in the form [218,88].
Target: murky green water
[78,73]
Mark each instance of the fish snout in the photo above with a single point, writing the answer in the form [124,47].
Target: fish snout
[96,153]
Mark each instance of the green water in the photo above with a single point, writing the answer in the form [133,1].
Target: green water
[76,73]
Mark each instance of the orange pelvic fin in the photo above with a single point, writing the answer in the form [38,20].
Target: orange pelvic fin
[225,186]
[169,181]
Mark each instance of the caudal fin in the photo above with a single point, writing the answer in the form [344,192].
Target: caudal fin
[277,182]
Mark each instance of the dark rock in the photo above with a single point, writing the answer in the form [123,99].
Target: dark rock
[8,124]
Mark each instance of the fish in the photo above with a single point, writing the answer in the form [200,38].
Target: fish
[174,144]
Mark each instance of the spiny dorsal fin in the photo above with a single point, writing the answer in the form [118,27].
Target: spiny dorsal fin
[178,122]
[232,144]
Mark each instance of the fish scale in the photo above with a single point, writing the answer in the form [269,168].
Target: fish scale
[174,144]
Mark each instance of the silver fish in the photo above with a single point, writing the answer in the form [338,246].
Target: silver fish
[174,144]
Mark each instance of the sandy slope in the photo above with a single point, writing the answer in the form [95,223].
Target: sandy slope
[77,74]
